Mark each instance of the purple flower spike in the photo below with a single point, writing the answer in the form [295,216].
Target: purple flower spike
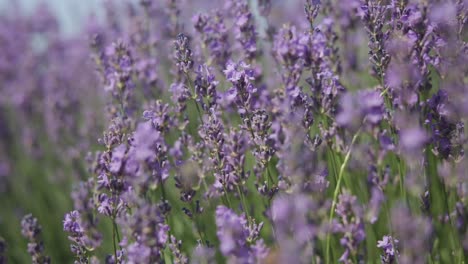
[236,236]
[389,246]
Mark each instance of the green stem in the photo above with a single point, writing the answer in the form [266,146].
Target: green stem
[192,88]
[334,164]
[338,188]
[242,198]
[227,197]
[113,240]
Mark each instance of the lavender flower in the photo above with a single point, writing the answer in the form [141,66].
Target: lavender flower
[389,247]
[183,53]
[239,241]
[175,246]
[214,36]
[295,228]
[414,233]
[364,107]
[145,233]
[118,71]
[311,8]
[205,87]
[350,224]
[242,93]
[31,230]
[447,131]
[373,15]
[244,28]
[82,244]
[290,50]
[202,254]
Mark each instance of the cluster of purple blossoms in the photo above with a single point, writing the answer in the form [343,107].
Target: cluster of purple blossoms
[215,37]
[350,223]
[244,28]
[31,230]
[390,249]
[239,237]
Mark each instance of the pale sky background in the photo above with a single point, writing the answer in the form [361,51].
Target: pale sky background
[73,13]
[70,12]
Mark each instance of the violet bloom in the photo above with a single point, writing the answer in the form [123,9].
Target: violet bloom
[158,113]
[203,255]
[205,87]
[311,8]
[295,227]
[321,59]
[175,247]
[83,202]
[239,242]
[31,230]
[145,233]
[242,93]
[290,49]
[412,139]
[81,245]
[350,223]
[373,14]
[261,125]
[180,96]
[447,131]
[414,234]
[118,70]
[183,54]
[363,107]
[230,162]
[147,165]
[244,28]
[214,36]
[375,204]
[389,247]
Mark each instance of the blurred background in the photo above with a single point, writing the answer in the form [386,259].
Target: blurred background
[49,116]
[70,13]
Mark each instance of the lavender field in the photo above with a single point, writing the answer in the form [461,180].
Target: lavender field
[236,131]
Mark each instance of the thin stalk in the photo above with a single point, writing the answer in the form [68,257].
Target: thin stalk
[338,188]
[192,88]
[197,225]
[242,198]
[334,164]
[113,240]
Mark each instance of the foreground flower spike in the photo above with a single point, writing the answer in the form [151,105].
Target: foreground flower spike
[214,36]
[351,224]
[31,230]
[295,227]
[390,249]
[175,246]
[239,240]
[183,53]
[311,8]
[244,28]
[414,235]
[145,233]
[81,245]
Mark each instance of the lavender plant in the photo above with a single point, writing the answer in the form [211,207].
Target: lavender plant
[246,132]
